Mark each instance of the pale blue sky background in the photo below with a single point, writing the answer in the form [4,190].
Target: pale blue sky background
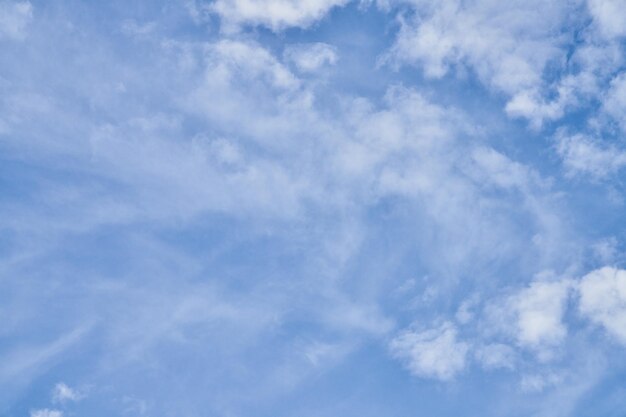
[237,208]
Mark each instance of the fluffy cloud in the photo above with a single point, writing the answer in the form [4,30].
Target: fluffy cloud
[434,353]
[539,310]
[582,155]
[603,300]
[510,47]
[14,17]
[275,14]
[532,317]
[609,15]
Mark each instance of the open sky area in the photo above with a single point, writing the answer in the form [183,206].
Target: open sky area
[313,208]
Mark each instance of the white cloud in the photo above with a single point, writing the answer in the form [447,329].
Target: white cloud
[14,17]
[603,300]
[609,15]
[539,313]
[275,14]
[311,57]
[434,353]
[46,412]
[509,46]
[530,105]
[582,155]
[63,393]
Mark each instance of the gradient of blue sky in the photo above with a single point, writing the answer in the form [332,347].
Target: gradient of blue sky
[235,208]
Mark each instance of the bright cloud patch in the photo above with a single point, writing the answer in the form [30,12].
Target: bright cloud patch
[603,300]
[609,15]
[275,14]
[583,155]
[539,314]
[434,353]
[510,46]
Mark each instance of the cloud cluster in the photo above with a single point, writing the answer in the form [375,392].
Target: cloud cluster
[531,319]
[508,46]
[274,14]
[432,353]
[519,49]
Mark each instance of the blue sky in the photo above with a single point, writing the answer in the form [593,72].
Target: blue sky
[236,208]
